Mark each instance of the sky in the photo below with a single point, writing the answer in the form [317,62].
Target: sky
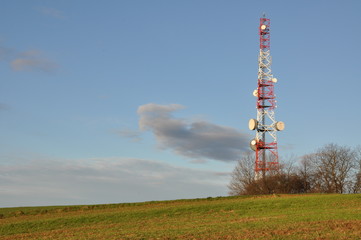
[137,100]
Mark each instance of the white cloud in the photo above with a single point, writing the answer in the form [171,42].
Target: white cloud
[104,181]
[197,139]
[32,60]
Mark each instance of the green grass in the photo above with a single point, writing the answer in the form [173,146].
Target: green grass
[246,217]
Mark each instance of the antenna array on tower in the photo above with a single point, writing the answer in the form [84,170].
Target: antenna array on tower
[266,126]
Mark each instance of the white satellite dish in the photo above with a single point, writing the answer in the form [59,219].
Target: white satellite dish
[274,80]
[280,126]
[252,124]
[253,144]
[255,93]
[263,27]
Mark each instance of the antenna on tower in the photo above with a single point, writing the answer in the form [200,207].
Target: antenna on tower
[266,126]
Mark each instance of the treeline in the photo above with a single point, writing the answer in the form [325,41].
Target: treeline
[331,169]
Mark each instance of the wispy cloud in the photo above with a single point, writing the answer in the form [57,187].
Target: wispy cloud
[52,12]
[128,133]
[197,139]
[33,60]
[30,60]
[108,180]
[287,146]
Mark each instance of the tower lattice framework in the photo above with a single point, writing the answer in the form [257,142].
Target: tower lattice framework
[266,126]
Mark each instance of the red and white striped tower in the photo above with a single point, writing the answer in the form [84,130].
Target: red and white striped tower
[266,126]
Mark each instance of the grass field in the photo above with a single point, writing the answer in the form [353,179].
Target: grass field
[247,217]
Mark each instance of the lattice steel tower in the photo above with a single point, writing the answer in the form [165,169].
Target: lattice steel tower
[266,126]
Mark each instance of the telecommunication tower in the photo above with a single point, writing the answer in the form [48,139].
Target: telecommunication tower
[266,126]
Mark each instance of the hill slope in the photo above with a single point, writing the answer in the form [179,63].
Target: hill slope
[247,217]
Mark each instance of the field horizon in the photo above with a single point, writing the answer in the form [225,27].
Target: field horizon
[285,216]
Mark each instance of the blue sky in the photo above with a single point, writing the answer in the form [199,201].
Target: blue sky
[120,101]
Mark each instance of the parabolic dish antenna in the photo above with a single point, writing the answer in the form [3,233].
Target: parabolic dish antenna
[255,93]
[252,124]
[253,144]
[280,126]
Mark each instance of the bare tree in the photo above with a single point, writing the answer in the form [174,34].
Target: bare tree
[242,175]
[357,183]
[283,180]
[333,168]
[306,171]
[357,178]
